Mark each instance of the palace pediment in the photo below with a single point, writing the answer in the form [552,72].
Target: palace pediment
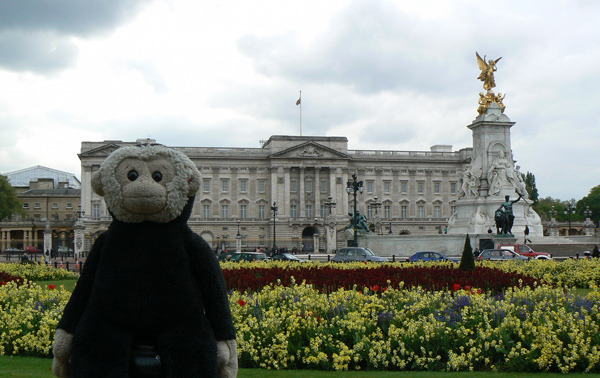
[309,150]
[102,151]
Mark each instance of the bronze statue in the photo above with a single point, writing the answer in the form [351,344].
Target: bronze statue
[487,71]
[505,217]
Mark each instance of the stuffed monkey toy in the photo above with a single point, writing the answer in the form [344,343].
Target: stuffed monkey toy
[148,277]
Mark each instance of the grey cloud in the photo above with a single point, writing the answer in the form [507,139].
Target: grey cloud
[72,17]
[36,33]
[44,53]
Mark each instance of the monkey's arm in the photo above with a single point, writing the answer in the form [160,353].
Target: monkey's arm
[73,312]
[208,274]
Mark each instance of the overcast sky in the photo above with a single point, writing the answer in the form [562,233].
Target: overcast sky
[391,75]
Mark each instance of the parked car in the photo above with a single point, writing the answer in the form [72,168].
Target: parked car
[13,250]
[286,257]
[500,254]
[429,256]
[349,254]
[525,250]
[32,249]
[65,251]
[225,256]
[248,256]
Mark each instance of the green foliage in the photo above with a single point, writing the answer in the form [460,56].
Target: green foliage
[530,186]
[593,201]
[9,202]
[467,261]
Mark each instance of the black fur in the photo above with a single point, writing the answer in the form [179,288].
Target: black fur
[159,283]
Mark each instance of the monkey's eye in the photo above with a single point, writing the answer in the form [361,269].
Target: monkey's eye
[132,175]
[157,176]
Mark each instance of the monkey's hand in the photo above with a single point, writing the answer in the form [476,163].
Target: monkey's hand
[227,358]
[62,352]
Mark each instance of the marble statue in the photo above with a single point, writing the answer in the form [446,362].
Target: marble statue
[501,174]
[469,186]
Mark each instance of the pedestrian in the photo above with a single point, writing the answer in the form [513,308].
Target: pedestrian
[596,251]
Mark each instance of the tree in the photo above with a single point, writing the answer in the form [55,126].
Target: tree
[9,202]
[593,201]
[467,261]
[530,186]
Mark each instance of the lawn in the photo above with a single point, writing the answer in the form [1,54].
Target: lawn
[29,367]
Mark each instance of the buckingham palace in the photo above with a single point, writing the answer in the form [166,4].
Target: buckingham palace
[291,189]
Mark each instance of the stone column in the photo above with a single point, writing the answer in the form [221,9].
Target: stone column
[47,237]
[333,190]
[317,187]
[79,238]
[331,237]
[302,194]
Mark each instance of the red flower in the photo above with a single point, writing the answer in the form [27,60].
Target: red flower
[242,302]
[51,287]
[456,287]
[375,288]
[467,287]
[3,283]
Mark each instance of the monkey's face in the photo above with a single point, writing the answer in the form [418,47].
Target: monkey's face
[144,184]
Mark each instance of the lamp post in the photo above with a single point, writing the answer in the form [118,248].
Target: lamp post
[353,187]
[274,210]
[375,204]
[238,238]
[568,211]
[330,204]
[552,213]
[587,213]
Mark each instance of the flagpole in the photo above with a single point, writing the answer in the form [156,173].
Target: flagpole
[300,99]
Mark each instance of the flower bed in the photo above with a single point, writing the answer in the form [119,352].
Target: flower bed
[298,327]
[29,314]
[582,273]
[357,316]
[34,272]
[330,277]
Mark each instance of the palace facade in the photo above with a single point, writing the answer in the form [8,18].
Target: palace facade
[51,204]
[305,179]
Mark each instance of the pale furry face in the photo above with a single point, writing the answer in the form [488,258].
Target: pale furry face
[146,183]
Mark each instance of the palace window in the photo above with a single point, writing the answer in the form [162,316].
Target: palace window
[404,211]
[243,186]
[421,211]
[243,211]
[206,185]
[262,184]
[225,185]
[96,210]
[293,211]
[309,211]
[404,187]
[206,211]
[261,211]
[224,211]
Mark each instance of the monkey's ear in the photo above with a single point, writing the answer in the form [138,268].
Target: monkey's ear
[97,182]
[194,183]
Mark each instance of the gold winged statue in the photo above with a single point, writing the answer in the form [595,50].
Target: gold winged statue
[487,71]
